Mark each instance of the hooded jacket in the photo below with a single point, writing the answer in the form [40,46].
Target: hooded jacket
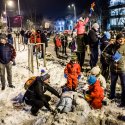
[110,51]
[96,95]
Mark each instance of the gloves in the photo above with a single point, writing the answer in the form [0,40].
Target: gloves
[79,76]
[87,97]
[65,75]
[117,56]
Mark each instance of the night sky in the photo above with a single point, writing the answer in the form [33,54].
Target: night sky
[51,8]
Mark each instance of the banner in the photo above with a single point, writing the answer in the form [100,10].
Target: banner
[15,21]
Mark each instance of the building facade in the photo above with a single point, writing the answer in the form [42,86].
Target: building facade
[117,14]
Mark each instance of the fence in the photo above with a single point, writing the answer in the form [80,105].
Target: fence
[40,50]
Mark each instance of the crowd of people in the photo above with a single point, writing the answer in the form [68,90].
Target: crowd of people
[112,66]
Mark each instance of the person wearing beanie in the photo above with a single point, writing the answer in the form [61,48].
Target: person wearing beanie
[104,63]
[72,72]
[93,44]
[96,93]
[97,72]
[116,53]
[35,94]
[7,56]
[81,46]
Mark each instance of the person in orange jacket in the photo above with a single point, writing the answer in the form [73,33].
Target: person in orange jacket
[72,73]
[95,94]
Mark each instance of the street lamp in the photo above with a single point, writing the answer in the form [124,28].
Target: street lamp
[74,9]
[8,3]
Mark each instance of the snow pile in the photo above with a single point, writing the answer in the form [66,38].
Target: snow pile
[82,114]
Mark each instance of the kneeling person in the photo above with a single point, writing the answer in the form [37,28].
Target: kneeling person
[35,96]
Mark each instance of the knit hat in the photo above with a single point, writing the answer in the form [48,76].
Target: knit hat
[95,26]
[120,35]
[74,56]
[42,71]
[3,36]
[95,70]
[81,19]
[45,77]
[91,79]
[108,35]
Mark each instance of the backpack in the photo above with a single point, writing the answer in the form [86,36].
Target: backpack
[29,82]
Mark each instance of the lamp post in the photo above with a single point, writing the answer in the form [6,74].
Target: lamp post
[19,7]
[8,3]
[74,10]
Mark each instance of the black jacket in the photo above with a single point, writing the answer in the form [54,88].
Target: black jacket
[7,53]
[93,38]
[37,90]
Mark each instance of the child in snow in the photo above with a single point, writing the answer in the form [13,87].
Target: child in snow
[67,101]
[96,72]
[95,94]
[72,73]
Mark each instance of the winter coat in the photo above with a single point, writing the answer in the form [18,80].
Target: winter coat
[7,53]
[102,81]
[37,90]
[110,51]
[64,40]
[58,42]
[80,26]
[93,38]
[10,38]
[72,71]
[96,95]
[66,101]
[103,43]
[35,38]
[44,39]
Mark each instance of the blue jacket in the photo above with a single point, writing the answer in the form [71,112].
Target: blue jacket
[7,53]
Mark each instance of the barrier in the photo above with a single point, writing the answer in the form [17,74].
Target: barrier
[31,52]
[17,44]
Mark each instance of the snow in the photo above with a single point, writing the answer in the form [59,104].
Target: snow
[11,116]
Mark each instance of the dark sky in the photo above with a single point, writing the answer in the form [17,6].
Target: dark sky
[51,8]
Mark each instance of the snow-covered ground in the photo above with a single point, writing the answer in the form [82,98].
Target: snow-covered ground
[11,116]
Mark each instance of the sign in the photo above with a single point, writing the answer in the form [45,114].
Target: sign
[47,25]
[15,21]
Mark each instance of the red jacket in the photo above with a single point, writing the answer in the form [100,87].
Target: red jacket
[34,36]
[96,94]
[80,26]
[58,42]
[72,69]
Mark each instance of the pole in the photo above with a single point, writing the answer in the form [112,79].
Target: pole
[19,12]
[19,7]
[74,13]
[6,13]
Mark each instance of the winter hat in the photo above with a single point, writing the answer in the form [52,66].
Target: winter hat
[95,70]
[45,77]
[3,36]
[42,71]
[108,35]
[74,56]
[95,26]
[120,35]
[91,79]
[81,19]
